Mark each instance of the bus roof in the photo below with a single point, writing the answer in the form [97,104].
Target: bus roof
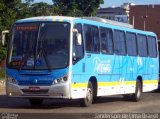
[64,18]
[47,18]
[90,20]
[106,21]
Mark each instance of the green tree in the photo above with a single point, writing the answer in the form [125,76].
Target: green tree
[42,9]
[73,9]
[89,7]
[8,13]
[24,10]
[7,18]
[67,7]
[29,9]
[78,7]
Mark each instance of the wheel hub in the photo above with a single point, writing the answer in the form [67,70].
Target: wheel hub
[89,95]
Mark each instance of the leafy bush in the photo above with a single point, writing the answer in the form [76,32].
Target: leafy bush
[2,73]
[3,52]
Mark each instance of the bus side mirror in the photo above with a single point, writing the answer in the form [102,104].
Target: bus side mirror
[3,40]
[4,37]
[78,39]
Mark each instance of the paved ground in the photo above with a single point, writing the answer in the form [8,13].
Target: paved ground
[149,103]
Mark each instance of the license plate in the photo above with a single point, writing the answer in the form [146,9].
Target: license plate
[34,88]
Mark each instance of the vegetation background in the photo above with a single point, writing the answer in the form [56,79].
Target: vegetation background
[12,10]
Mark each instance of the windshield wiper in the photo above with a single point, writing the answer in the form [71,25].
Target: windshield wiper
[27,54]
[41,49]
[45,58]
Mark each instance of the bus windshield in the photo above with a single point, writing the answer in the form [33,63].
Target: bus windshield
[39,46]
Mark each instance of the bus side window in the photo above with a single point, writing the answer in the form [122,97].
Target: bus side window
[91,34]
[142,45]
[78,49]
[95,36]
[152,47]
[88,38]
[106,36]
[131,42]
[119,43]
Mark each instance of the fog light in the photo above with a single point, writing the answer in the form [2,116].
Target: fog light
[65,78]
[11,80]
[10,94]
[60,80]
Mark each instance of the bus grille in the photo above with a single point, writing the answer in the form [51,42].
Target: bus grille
[41,91]
[40,83]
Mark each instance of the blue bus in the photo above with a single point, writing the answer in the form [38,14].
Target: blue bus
[79,58]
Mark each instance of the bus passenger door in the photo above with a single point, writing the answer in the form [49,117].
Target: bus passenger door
[78,51]
[77,83]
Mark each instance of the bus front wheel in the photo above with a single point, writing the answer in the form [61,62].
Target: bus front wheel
[36,102]
[85,102]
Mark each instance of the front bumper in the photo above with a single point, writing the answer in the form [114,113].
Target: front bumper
[54,91]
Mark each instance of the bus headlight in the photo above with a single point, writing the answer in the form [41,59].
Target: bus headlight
[60,80]
[11,80]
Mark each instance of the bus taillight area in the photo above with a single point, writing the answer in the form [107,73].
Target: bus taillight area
[35,89]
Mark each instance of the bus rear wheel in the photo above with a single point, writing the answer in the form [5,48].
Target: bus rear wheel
[85,102]
[137,95]
[36,102]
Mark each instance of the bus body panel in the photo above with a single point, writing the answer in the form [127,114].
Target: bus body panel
[30,83]
[115,74]
[111,81]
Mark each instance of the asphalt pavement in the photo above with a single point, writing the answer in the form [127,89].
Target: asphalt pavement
[62,109]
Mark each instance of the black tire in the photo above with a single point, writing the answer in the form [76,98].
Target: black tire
[36,102]
[85,102]
[127,97]
[96,99]
[137,95]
